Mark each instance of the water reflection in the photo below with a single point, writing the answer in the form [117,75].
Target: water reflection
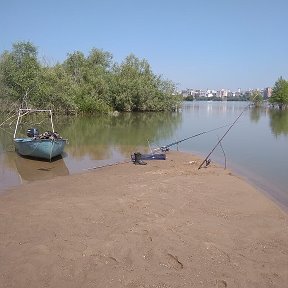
[99,136]
[279,122]
[15,169]
[32,170]
[214,107]
[255,114]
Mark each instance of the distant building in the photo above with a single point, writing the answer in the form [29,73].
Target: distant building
[267,92]
[210,93]
[224,93]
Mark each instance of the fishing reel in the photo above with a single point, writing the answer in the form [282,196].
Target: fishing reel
[164,149]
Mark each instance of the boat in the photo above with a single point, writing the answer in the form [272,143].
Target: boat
[47,145]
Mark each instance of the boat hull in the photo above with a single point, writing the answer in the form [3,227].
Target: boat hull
[39,148]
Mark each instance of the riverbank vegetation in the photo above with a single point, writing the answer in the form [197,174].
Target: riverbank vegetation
[279,95]
[256,98]
[83,84]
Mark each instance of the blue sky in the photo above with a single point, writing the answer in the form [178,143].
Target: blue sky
[204,44]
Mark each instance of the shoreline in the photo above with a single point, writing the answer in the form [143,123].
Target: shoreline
[258,182]
[164,224]
[44,172]
[263,187]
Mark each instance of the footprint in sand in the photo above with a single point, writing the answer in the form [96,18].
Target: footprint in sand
[173,262]
[221,283]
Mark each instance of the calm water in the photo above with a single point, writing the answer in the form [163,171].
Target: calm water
[256,147]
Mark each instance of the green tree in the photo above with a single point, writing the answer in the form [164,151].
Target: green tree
[98,77]
[256,98]
[75,66]
[57,90]
[20,71]
[136,88]
[90,76]
[280,93]
[89,84]
[99,58]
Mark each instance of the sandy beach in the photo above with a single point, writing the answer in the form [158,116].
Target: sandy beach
[164,224]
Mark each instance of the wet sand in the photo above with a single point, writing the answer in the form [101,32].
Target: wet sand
[164,224]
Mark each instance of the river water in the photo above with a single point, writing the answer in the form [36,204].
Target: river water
[255,147]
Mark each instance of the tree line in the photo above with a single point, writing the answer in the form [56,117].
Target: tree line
[279,95]
[83,84]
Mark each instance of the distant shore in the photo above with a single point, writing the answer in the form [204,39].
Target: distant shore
[164,224]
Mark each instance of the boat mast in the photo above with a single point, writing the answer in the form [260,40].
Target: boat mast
[19,113]
[27,111]
[50,111]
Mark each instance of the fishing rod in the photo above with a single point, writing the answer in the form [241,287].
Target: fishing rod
[166,147]
[207,160]
[108,165]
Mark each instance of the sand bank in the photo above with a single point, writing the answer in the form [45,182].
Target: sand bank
[166,224]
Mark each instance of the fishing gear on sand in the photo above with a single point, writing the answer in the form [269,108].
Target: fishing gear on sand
[138,160]
[166,147]
[219,141]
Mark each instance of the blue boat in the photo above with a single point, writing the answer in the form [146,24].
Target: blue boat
[43,146]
